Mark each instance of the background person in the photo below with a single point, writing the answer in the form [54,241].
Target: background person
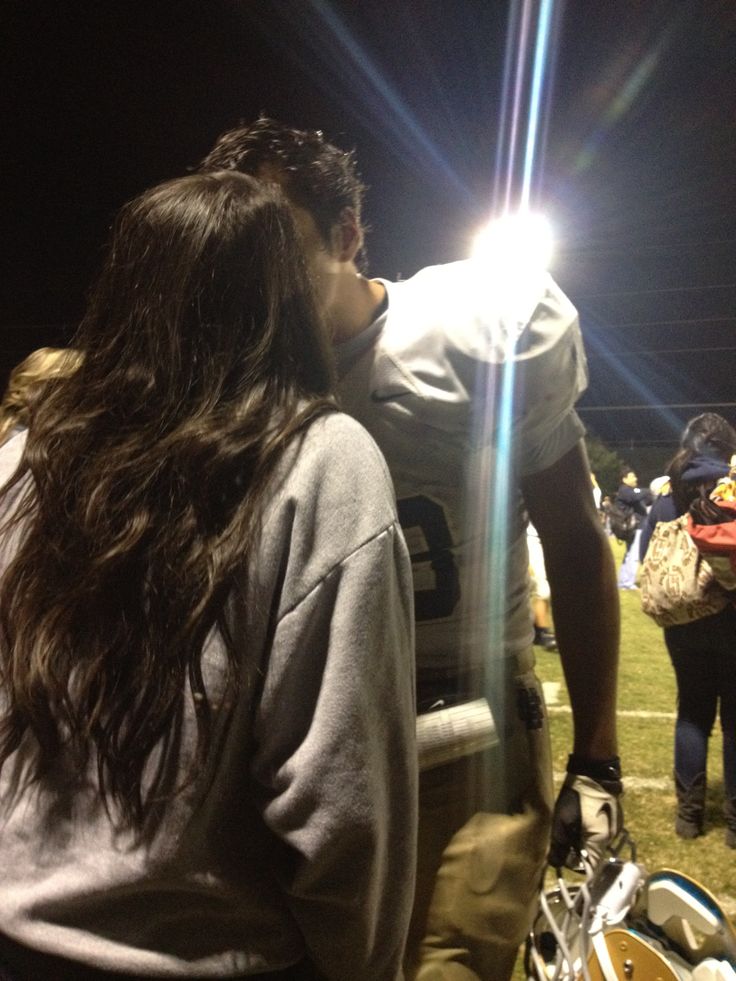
[605,511]
[540,592]
[207,688]
[633,500]
[703,652]
[657,486]
[27,380]
[597,492]
[422,364]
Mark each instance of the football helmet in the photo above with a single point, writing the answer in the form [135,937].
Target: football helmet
[618,923]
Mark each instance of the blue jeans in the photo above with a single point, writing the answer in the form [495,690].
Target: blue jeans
[627,572]
[703,655]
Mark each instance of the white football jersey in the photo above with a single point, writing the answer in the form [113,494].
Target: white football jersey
[467,384]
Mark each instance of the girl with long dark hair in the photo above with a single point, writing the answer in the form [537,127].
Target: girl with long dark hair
[703,652]
[206,674]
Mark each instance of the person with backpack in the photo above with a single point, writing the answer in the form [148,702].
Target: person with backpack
[626,516]
[703,651]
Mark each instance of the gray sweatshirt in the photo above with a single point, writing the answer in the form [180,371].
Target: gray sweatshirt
[297,836]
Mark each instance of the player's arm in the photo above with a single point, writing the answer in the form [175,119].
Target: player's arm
[582,578]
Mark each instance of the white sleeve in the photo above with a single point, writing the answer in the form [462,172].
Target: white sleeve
[460,332]
[551,374]
[336,758]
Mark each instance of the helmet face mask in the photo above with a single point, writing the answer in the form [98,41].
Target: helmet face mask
[563,941]
[617,922]
[690,920]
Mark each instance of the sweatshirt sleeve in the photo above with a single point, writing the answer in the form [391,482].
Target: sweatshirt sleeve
[335,759]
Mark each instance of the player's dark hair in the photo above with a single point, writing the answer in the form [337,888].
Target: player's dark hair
[317,175]
[138,495]
[707,434]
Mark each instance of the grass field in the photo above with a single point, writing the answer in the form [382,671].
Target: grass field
[646,733]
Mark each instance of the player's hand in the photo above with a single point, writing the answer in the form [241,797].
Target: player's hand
[587,815]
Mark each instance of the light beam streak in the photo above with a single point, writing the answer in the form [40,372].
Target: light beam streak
[529,67]
[535,100]
[495,517]
[638,80]
[616,365]
[387,104]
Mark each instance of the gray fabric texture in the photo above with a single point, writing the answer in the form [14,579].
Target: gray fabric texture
[298,834]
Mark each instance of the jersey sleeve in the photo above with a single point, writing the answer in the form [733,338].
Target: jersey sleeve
[551,374]
[460,334]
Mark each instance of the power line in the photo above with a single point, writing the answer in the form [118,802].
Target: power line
[641,441]
[630,353]
[665,289]
[670,323]
[598,250]
[651,406]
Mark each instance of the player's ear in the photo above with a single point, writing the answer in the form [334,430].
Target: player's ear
[347,236]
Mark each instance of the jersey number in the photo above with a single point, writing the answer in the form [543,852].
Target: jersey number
[425,514]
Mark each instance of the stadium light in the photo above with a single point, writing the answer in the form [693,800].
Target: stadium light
[516,242]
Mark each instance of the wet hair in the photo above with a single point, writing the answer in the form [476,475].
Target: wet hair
[138,496]
[28,380]
[707,434]
[317,175]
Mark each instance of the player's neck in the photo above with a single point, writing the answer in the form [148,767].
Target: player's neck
[356,307]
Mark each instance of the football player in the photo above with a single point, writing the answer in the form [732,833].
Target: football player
[467,376]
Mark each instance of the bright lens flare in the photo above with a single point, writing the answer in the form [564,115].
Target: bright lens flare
[519,242]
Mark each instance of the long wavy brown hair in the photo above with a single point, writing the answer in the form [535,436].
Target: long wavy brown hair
[139,491]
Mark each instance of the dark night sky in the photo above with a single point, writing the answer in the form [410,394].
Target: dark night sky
[104,99]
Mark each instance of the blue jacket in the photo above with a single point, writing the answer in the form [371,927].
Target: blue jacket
[700,469]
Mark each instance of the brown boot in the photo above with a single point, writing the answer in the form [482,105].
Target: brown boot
[729,809]
[690,807]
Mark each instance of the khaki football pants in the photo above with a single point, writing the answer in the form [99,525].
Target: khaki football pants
[484,825]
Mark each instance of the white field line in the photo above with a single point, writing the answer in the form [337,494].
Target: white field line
[634,783]
[621,713]
[552,691]
[728,905]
